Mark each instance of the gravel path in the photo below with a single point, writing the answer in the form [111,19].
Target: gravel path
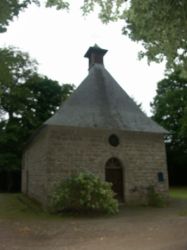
[133,229]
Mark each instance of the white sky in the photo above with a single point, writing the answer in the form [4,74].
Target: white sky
[58,41]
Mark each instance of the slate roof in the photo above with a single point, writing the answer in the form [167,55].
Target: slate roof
[100,102]
[96,49]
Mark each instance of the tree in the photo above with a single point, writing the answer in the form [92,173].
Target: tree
[159,25]
[67,90]
[170,110]
[11,8]
[42,100]
[15,68]
[36,101]
[27,100]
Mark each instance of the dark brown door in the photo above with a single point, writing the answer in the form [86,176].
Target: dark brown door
[114,175]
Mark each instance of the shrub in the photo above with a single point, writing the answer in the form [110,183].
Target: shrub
[84,192]
[155,199]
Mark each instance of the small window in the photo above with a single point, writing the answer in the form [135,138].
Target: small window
[160,177]
[113,140]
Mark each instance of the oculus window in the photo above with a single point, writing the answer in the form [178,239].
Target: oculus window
[113,140]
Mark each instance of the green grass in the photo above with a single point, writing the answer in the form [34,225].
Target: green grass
[178,193]
[18,206]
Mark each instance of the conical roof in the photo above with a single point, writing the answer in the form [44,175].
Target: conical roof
[99,102]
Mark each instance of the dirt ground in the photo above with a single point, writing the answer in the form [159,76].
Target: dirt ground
[133,229]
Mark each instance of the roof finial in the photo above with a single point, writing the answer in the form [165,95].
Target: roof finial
[95,54]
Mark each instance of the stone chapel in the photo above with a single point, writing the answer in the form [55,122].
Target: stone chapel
[99,129]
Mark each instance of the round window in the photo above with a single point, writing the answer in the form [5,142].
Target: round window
[113,140]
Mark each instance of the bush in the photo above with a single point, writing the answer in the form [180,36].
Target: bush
[84,192]
[155,199]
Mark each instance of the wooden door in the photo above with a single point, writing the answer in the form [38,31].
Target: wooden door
[114,175]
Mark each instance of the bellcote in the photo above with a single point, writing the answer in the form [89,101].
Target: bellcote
[95,54]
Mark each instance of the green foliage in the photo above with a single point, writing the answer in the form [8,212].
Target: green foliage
[27,100]
[35,101]
[84,192]
[179,193]
[159,25]
[170,111]
[59,4]
[42,100]
[155,199]
[15,69]
[67,90]
[109,10]
[170,106]
[10,9]
[19,207]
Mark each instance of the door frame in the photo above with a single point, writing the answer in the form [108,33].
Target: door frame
[115,163]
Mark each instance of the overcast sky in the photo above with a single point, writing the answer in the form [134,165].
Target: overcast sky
[58,41]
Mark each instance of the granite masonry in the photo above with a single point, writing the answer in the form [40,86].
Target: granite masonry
[101,130]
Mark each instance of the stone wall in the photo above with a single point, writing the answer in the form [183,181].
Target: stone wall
[57,152]
[142,155]
[34,174]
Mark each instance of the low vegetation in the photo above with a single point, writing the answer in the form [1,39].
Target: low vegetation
[84,192]
[179,193]
[18,206]
[155,199]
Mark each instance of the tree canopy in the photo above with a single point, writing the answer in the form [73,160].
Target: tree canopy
[11,8]
[27,100]
[170,110]
[16,68]
[170,107]
[159,25]
[31,104]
